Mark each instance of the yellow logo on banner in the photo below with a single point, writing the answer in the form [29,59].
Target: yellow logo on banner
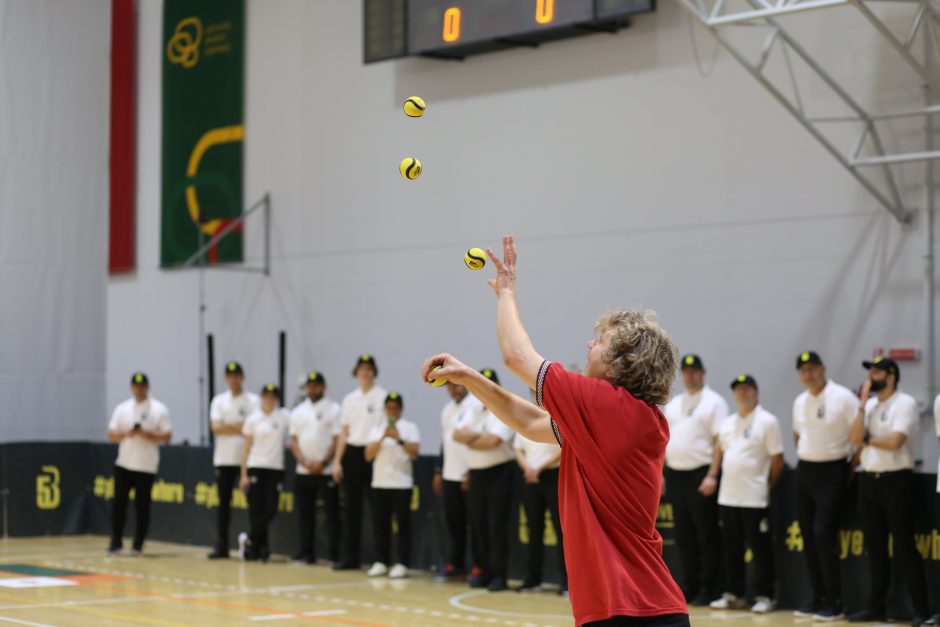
[183,47]
[48,492]
[210,138]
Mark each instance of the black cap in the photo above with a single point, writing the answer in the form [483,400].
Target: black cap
[808,357]
[316,377]
[744,379]
[884,363]
[692,361]
[490,374]
[139,378]
[233,367]
[366,358]
[395,396]
[270,388]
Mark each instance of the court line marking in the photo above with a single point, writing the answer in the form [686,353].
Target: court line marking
[16,621]
[457,601]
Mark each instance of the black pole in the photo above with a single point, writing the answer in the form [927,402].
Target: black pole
[210,361]
[282,361]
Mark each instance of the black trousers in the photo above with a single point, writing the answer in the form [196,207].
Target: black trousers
[886,505]
[820,495]
[141,483]
[666,620]
[264,492]
[307,489]
[742,528]
[455,512]
[385,503]
[357,479]
[490,502]
[226,478]
[537,498]
[698,537]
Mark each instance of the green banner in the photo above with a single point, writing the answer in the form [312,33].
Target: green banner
[203,128]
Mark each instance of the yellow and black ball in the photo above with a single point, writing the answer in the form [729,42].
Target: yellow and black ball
[410,168]
[414,107]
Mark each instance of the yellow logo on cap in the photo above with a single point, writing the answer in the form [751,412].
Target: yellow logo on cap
[878,360]
[689,360]
[804,357]
[742,378]
[269,387]
[138,378]
[232,365]
[366,357]
[393,395]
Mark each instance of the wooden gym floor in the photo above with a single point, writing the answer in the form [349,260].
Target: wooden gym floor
[71,581]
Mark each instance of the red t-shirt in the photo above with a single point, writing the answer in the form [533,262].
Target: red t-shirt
[612,448]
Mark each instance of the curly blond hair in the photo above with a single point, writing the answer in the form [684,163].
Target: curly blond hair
[642,357]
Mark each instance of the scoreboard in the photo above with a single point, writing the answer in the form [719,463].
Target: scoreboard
[455,29]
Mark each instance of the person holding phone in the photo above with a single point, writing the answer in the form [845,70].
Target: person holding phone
[139,425]
[392,449]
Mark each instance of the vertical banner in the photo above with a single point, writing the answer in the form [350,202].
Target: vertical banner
[203,127]
[122,163]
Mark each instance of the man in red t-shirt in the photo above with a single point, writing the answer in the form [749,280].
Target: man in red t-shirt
[613,439]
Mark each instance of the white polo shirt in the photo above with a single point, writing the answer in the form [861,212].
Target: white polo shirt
[748,443]
[936,419]
[315,425]
[482,421]
[537,454]
[363,412]
[391,468]
[898,414]
[229,410]
[693,424]
[823,422]
[455,454]
[135,452]
[268,433]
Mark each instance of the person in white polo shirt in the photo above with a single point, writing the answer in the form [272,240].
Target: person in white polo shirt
[314,427]
[693,463]
[490,459]
[262,471]
[140,425]
[451,478]
[392,449]
[822,418]
[362,411]
[539,462]
[227,414]
[752,461]
[886,427]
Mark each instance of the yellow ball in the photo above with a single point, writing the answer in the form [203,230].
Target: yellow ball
[414,107]
[437,382]
[475,258]
[410,168]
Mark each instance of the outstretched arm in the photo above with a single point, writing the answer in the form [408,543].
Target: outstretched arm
[519,354]
[517,413]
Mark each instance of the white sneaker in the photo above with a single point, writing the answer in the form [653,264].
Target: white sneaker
[242,544]
[728,601]
[763,605]
[378,569]
[399,571]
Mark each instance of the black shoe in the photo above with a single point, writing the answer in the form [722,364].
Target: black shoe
[917,621]
[300,558]
[345,566]
[830,613]
[810,609]
[497,584]
[933,620]
[479,581]
[114,548]
[702,599]
[868,615]
[219,554]
[529,585]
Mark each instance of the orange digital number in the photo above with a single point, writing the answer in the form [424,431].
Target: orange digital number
[451,25]
[544,11]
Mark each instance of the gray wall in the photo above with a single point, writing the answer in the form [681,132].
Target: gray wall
[628,177]
[53,218]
